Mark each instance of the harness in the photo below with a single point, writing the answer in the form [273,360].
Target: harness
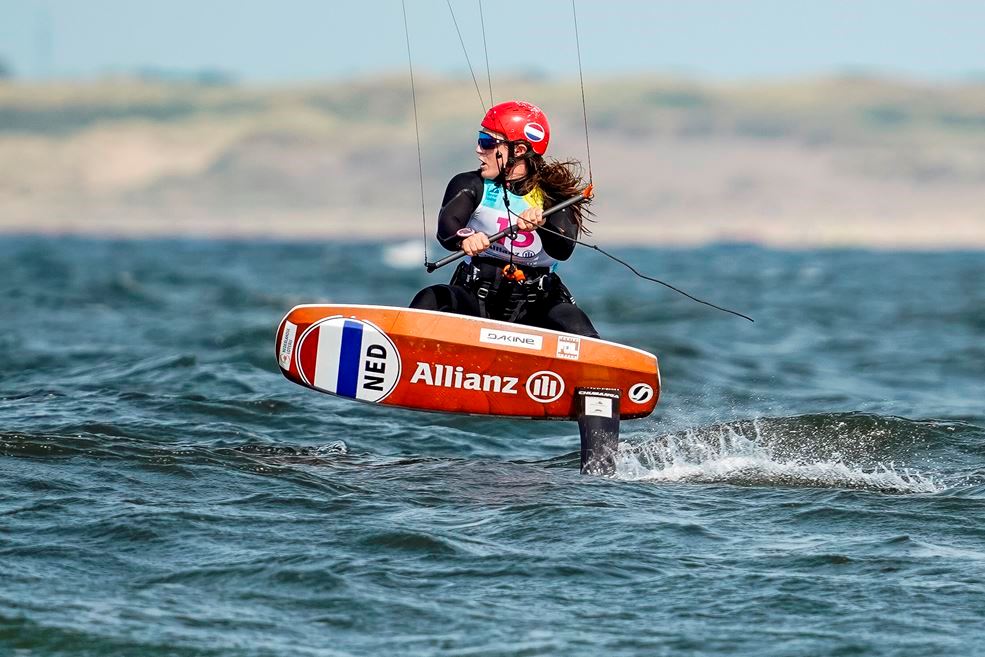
[504,296]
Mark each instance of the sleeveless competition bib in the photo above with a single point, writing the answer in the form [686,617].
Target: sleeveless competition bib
[491,217]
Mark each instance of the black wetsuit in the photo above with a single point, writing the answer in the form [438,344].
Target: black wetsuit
[480,289]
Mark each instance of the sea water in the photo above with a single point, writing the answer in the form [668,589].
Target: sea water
[810,484]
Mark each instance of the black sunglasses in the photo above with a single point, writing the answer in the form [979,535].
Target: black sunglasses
[488,142]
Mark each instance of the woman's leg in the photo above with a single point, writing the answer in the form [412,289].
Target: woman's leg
[569,318]
[560,313]
[447,299]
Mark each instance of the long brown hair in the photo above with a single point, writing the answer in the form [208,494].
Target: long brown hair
[558,180]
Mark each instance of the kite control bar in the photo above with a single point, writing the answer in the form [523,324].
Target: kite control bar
[584,196]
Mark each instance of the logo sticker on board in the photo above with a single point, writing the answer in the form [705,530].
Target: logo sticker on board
[599,406]
[348,357]
[534,132]
[287,345]
[511,339]
[568,347]
[640,393]
[545,386]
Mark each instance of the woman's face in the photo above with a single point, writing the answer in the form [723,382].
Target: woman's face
[491,159]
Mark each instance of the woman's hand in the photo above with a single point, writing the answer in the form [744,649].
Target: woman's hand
[475,244]
[530,219]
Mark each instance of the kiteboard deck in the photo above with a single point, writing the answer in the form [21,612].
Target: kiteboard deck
[434,361]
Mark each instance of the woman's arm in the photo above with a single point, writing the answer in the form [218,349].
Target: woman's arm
[556,246]
[461,199]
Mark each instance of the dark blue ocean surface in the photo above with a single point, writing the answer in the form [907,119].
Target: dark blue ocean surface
[811,484]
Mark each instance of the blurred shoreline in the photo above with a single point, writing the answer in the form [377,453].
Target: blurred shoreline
[835,162]
[957,235]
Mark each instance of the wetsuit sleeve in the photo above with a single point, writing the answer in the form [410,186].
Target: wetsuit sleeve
[462,197]
[556,246]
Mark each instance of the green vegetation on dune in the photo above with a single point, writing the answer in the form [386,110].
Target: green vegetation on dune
[837,106]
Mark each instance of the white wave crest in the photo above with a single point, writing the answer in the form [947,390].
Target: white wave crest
[724,454]
[404,255]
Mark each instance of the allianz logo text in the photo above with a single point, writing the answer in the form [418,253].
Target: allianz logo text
[447,376]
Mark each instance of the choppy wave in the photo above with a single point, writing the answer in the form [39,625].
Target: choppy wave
[752,453]
[167,492]
[840,453]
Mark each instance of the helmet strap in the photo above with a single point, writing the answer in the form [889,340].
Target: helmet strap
[503,168]
[512,159]
[511,155]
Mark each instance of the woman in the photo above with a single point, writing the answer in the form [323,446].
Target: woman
[512,279]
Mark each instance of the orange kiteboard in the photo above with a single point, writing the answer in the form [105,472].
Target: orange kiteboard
[434,361]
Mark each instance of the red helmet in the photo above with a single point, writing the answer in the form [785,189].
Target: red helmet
[520,121]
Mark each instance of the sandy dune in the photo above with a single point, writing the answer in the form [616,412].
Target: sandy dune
[850,162]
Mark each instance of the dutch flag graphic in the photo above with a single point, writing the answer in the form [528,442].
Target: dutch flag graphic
[349,358]
[534,132]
